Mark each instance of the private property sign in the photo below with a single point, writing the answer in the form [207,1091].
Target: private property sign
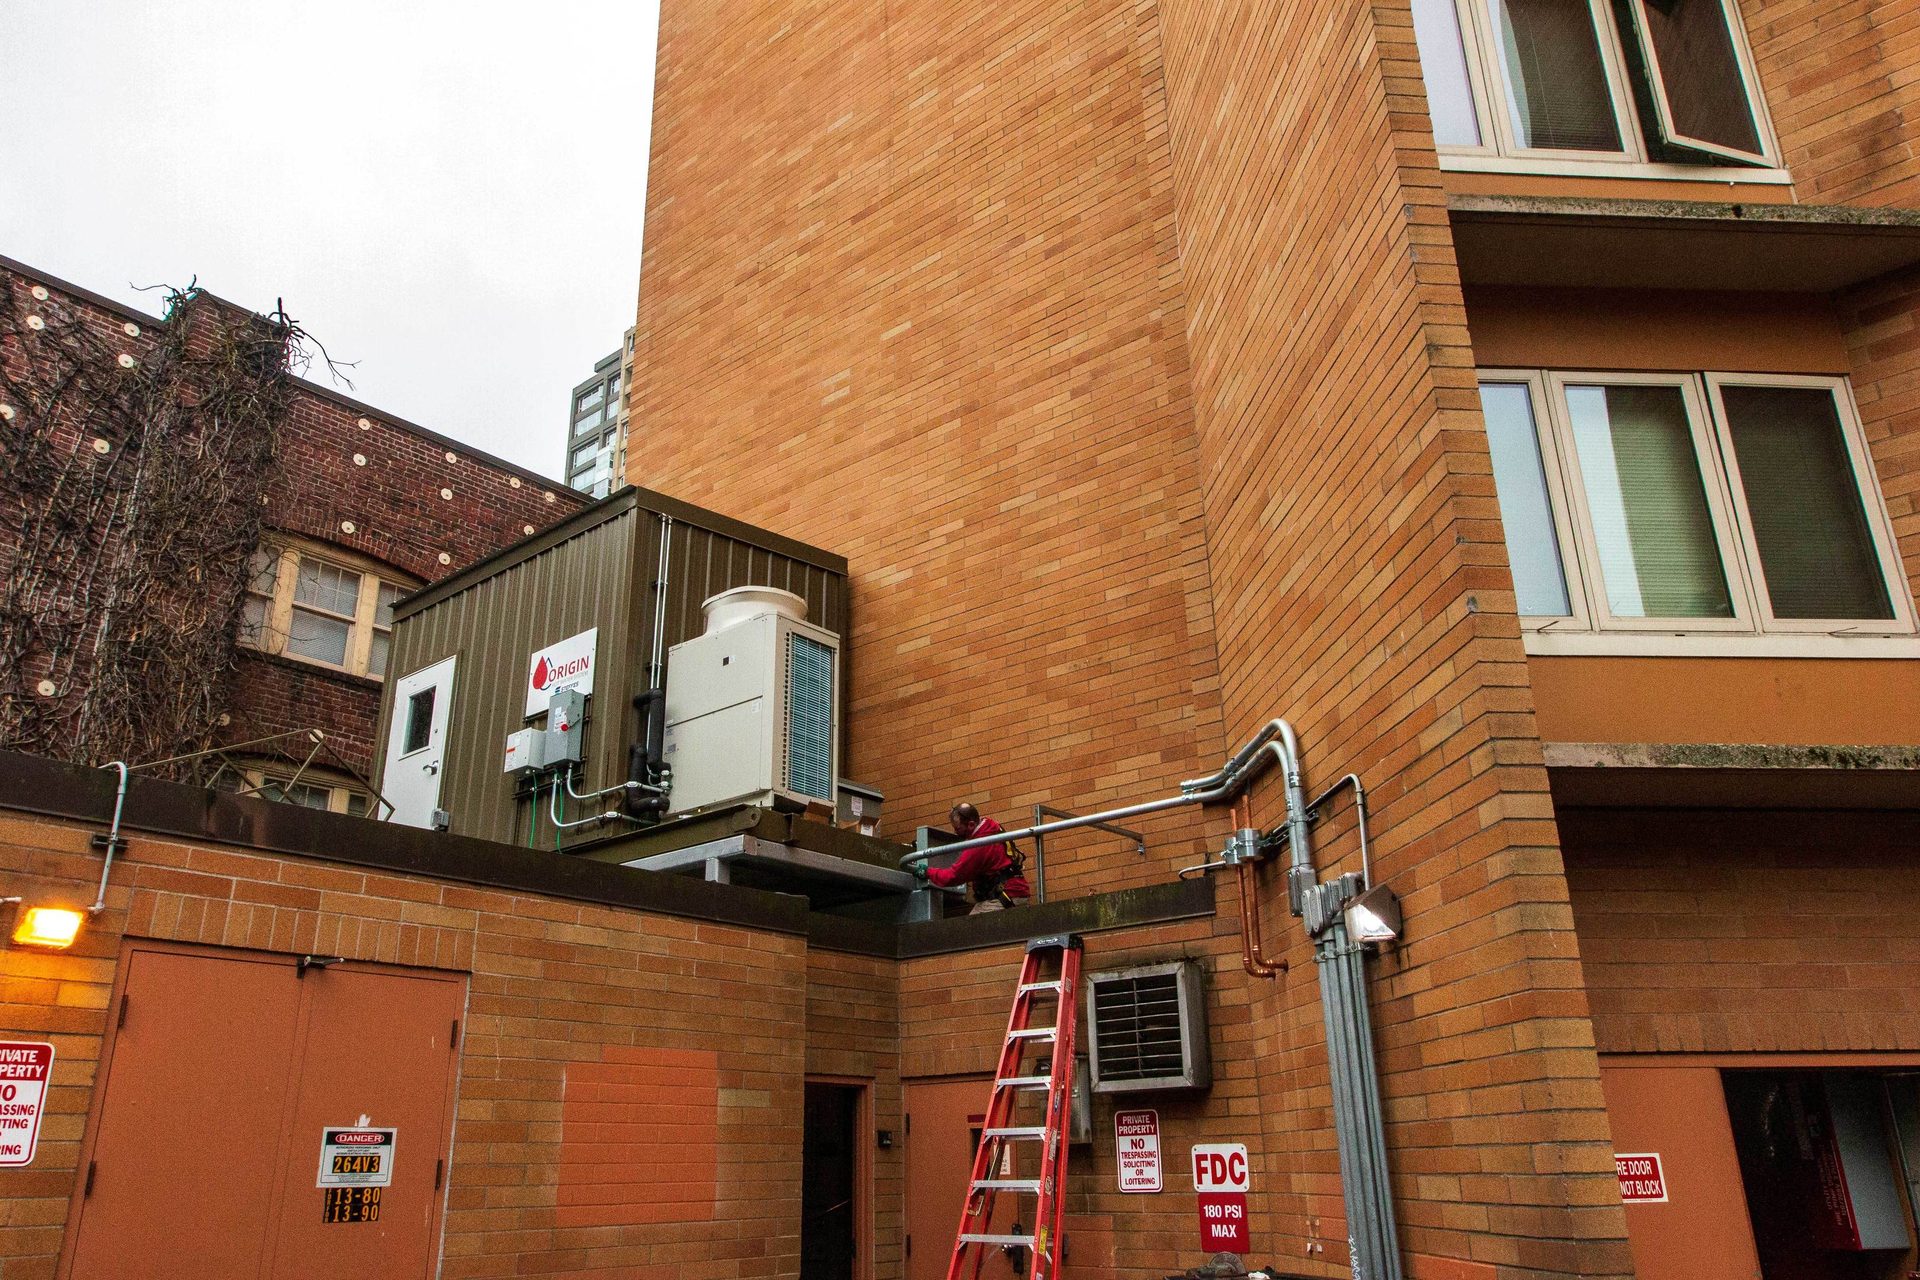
[1642,1181]
[25,1068]
[567,664]
[1136,1140]
[1221,1181]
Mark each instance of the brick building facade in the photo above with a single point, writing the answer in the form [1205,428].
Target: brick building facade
[348,487]
[1143,359]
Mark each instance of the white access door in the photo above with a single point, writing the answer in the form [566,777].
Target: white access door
[416,743]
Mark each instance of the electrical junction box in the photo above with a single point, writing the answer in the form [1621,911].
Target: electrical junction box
[525,753]
[566,736]
[753,706]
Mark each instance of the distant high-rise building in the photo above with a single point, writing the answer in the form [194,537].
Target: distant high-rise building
[597,424]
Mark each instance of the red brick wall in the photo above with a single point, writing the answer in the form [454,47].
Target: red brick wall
[1360,588]
[566,1000]
[340,464]
[1710,931]
[913,294]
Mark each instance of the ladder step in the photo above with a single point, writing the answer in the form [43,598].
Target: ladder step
[1035,1033]
[1055,986]
[1032,1132]
[970,1237]
[1023,1082]
[1007,1184]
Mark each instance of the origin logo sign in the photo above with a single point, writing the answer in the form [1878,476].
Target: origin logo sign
[565,665]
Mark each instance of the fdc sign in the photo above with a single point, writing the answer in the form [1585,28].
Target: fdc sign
[1221,1180]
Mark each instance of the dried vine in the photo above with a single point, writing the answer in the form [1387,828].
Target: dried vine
[133,473]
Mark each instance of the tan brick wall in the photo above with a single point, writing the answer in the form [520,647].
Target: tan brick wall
[559,992]
[1708,931]
[1360,587]
[1839,82]
[1882,323]
[853,1031]
[912,293]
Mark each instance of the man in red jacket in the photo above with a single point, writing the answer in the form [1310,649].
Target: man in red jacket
[992,871]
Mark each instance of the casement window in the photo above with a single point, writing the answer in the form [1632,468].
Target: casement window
[1631,82]
[321,608]
[310,788]
[1717,503]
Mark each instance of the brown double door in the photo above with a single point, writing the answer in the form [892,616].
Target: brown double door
[221,1073]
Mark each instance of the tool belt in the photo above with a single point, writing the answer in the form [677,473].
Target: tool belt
[992,886]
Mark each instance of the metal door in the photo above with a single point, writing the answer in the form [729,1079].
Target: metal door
[416,743]
[379,1052]
[184,1157]
[944,1118]
[220,1074]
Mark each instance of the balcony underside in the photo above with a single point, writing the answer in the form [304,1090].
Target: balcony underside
[1655,244]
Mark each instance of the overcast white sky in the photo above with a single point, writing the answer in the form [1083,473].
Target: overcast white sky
[449,193]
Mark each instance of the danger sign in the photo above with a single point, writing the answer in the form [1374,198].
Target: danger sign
[1642,1181]
[25,1068]
[567,664]
[356,1157]
[1221,1180]
[1136,1140]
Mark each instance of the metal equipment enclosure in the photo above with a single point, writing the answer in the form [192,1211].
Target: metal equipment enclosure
[596,570]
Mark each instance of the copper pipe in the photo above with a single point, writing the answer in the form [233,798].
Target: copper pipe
[1250,952]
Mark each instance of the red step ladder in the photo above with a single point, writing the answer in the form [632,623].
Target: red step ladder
[1021,1153]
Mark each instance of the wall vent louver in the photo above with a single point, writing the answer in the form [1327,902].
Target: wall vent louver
[808,766]
[1147,1029]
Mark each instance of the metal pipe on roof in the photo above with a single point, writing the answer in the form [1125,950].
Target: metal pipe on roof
[112,838]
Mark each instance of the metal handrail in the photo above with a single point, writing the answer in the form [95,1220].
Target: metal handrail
[1041,812]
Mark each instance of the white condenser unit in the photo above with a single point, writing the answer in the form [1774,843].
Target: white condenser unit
[753,706]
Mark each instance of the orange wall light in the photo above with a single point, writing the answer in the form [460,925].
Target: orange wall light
[55,927]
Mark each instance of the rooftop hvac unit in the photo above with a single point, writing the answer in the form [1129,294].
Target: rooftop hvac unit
[1147,1029]
[753,711]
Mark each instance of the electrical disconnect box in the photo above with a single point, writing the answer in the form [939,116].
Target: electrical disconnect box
[566,734]
[525,753]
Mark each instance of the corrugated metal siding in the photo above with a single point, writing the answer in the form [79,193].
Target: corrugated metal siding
[602,577]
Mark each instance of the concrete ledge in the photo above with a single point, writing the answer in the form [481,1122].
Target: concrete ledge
[1723,755]
[1733,775]
[33,784]
[1677,244]
[71,793]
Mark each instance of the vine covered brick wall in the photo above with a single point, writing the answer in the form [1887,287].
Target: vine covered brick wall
[336,472]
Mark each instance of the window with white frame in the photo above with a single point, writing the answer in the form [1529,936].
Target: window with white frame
[1690,503]
[321,608]
[1556,81]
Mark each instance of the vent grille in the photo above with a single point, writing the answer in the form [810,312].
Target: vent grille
[809,762]
[1148,1029]
[1138,1021]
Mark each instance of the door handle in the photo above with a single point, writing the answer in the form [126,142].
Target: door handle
[430,767]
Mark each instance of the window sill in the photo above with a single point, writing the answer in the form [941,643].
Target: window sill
[1731,175]
[1662,644]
